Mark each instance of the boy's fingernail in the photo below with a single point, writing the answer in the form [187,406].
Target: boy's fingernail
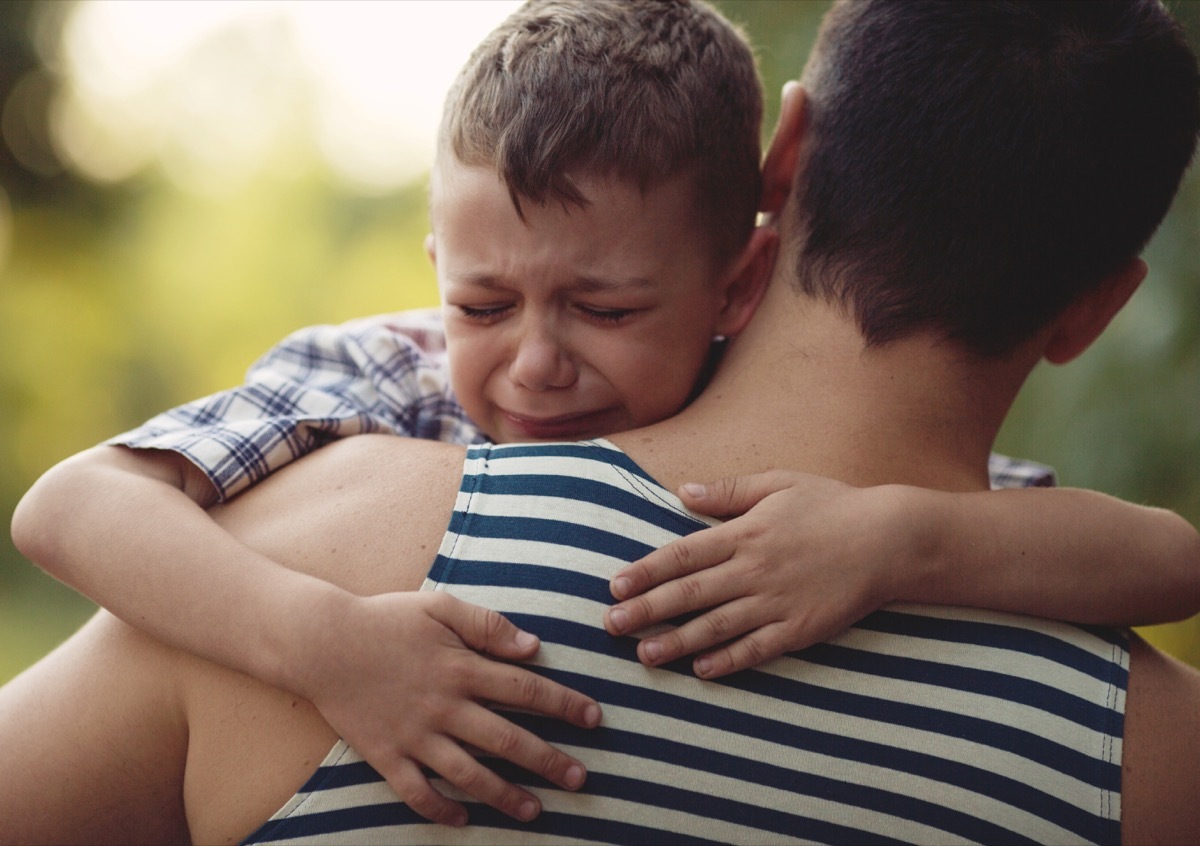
[525,640]
[619,619]
[528,810]
[653,649]
[591,717]
[573,777]
[703,666]
[695,490]
[620,587]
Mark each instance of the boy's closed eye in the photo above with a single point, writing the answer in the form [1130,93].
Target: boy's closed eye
[484,312]
[607,315]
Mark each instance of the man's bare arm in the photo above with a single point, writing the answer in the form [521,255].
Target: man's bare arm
[94,744]
[1160,767]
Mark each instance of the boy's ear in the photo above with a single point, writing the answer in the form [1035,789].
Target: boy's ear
[1081,323]
[431,249]
[783,154]
[746,281]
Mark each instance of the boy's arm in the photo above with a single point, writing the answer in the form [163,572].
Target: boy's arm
[811,556]
[126,528]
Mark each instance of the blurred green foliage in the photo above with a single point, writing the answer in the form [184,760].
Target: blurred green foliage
[117,302]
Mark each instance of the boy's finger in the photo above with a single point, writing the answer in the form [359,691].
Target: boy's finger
[490,732]
[473,778]
[685,595]
[483,629]
[714,627]
[682,557]
[408,783]
[505,684]
[733,495]
[745,652]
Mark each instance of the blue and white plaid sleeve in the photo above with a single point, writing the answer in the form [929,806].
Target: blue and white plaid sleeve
[377,374]
[1008,472]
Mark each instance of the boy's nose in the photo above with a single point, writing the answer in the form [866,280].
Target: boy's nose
[541,363]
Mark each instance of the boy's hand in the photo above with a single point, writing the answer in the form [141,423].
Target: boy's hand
[406,686]
[810,557]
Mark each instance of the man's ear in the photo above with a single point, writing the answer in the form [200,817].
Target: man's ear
[431,249]
[783,154]
[1076,328]
[746,281]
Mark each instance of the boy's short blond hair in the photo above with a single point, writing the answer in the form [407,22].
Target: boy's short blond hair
[636,89]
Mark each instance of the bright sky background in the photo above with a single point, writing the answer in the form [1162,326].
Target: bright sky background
[215,91]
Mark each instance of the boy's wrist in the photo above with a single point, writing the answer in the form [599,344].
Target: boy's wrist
[921,518]
[296,634]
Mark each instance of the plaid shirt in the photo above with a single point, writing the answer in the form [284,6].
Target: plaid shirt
[1018,473]
[377,374]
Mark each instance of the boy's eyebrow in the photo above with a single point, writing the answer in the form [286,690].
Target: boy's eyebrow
[584,284]
[595,284]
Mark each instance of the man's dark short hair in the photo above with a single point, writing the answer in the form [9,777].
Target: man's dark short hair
[978,164]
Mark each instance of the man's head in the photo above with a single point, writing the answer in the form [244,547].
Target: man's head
[593,205]
[972,168]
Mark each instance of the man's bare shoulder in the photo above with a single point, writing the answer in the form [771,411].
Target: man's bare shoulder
[1161,756]
[367,512]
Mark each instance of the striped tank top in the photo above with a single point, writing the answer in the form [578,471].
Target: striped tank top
[919,725]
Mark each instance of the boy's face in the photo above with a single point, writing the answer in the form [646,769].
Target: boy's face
[576,322]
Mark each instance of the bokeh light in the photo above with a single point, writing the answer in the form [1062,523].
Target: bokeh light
[214,92]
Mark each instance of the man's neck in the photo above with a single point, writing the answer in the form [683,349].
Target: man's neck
[798,391]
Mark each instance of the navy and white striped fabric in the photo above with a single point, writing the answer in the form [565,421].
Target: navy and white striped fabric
[919,725]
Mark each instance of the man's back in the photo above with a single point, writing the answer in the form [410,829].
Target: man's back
[924,725]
